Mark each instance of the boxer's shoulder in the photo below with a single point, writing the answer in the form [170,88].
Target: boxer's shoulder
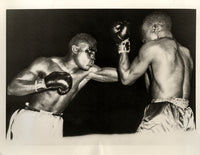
[184,50]
[41,63]
[42,60]
[48,61]
[149,48]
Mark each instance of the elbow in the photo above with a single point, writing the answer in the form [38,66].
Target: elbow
[10,90]
[126,81]
[127,78]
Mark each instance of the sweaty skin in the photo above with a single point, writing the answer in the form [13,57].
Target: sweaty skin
[50,100]
[170,67]
[167,67]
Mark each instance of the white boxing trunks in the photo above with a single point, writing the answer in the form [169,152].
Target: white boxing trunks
[29,126]
[167,115]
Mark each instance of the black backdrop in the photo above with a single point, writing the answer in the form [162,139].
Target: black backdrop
[99,107]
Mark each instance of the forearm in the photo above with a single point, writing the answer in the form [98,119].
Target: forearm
[129,73]
[20,88]
[23,87]
[124,66]
[109,74]
[106,74]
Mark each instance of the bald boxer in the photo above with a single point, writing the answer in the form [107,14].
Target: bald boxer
[170,66]
[53,83]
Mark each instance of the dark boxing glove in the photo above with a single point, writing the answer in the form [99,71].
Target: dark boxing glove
[60,81]
[120,31]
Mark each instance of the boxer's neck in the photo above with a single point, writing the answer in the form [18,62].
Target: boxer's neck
[68,65]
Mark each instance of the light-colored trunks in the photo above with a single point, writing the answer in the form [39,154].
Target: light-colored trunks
[167,115]
[32,126]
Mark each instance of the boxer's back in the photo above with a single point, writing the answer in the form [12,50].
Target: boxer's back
[170,70]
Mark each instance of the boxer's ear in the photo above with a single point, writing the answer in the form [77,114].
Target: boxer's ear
[75,49]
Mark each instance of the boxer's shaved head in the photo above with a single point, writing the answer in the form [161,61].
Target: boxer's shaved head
[82,37]
[156,21]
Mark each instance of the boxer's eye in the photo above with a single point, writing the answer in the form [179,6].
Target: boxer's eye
[91,53]
[87,51]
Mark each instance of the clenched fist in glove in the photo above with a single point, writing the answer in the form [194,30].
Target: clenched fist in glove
[60,81]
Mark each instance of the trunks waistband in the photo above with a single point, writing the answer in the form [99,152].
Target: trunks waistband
[180,102]
[27,107]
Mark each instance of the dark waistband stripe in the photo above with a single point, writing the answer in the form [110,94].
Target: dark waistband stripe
[42,111]
[180,102]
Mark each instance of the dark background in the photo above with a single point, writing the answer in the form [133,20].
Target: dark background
[99,107]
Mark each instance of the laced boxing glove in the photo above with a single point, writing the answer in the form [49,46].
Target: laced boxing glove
[60,81]
[121,33]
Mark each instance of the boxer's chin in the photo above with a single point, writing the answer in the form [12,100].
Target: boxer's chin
[86,68]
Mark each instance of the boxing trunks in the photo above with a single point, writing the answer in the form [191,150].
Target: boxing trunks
[32,126]
[167,115]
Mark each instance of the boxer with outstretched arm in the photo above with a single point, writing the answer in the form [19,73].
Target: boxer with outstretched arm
[170,66]
[53,82]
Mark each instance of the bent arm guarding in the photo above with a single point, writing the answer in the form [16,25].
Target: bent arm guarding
[24,82]
[129,73]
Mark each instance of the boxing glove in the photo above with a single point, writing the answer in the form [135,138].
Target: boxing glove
[120,31]
[60,81]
